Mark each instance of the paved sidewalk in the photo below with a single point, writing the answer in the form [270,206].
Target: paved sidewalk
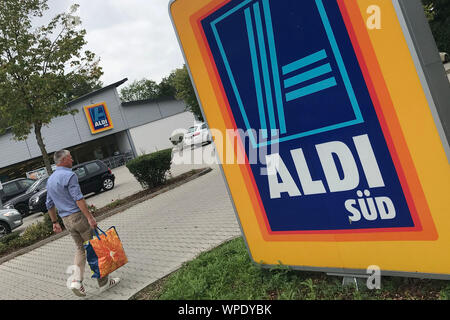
[158,235]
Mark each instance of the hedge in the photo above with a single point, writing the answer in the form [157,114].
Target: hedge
[150,169]
[32,234]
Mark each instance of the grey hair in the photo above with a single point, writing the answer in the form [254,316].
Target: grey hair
[59,155]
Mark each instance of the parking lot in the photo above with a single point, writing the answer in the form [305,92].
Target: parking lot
[126,184]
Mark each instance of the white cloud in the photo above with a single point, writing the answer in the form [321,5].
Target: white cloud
[133,38]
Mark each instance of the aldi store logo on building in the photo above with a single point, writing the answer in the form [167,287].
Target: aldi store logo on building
[294,72]
[98,117]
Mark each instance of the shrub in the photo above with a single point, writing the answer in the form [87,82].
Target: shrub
[150,169]
[92,208]
[32,234]
[3,248]
[48,221]
[10,237]
[36,232]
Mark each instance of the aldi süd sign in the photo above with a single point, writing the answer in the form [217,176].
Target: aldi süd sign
[329,103]
[317,108]
[98,117]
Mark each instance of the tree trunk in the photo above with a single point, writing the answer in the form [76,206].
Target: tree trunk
[40,142]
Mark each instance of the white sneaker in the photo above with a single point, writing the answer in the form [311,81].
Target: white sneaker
[111,283]
[78,288]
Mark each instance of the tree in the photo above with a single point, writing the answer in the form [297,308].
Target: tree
[41,68]
[185,91]
[3,124]
[438,14]
[139,90]
[145,89]
[177,85]
[166,88]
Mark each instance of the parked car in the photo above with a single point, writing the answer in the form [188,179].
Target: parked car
[14,188]
[37,201]
[197,135]
[10,219]
[20,203]
[444,57]
[93,176]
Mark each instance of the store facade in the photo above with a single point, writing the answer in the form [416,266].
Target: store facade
[103,128]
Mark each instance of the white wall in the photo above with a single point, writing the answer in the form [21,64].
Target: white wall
[63,132]
[154,136]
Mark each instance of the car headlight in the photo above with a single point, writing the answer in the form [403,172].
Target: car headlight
[11,213]
[35,200]
[8,206]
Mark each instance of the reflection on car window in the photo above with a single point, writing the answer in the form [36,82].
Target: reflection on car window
[25,184]
[92,167]
[10,188]
[191,129]
[80,172]
[43,183]
[38,184]
[34,186]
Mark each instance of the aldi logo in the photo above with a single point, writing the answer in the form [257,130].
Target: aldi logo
[278,85]
[98,118]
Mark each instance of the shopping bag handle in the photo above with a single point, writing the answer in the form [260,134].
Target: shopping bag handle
[96,233]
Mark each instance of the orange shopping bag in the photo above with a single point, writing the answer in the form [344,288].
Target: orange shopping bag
[105,253]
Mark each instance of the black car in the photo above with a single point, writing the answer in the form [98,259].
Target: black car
[93,176]
[20,203]
[14,188]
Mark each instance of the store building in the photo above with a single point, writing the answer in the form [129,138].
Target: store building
[103,128]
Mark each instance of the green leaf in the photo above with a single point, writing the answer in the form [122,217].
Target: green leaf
[41,68]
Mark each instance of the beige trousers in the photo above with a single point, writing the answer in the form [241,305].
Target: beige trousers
[80,230]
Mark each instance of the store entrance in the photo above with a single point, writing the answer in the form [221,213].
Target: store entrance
[109,149]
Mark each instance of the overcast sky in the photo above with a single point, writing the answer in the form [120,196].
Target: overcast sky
[133,38]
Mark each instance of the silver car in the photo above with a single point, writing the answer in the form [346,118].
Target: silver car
[10,219]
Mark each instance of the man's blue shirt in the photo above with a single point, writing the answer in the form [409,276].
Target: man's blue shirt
[63,190]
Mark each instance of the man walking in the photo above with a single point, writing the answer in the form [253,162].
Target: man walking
[64,193]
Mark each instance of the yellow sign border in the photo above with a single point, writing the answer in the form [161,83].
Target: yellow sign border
[90,121]
[421,137]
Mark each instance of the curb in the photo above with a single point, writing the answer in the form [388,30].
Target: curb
[104,216]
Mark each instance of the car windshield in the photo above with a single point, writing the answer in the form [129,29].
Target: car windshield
[38,183]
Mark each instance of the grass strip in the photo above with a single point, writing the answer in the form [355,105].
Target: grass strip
[227,273]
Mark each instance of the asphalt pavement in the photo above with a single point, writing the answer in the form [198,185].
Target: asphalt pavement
[126,184]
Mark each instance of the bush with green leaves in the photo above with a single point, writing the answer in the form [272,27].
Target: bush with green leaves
[32,234]
[150,169]
[9,237]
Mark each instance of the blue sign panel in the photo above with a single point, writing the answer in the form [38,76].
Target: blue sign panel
[292,80]
[98,117]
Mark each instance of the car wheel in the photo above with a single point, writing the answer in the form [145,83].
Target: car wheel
[23,209]
[107,184]
[4,229]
